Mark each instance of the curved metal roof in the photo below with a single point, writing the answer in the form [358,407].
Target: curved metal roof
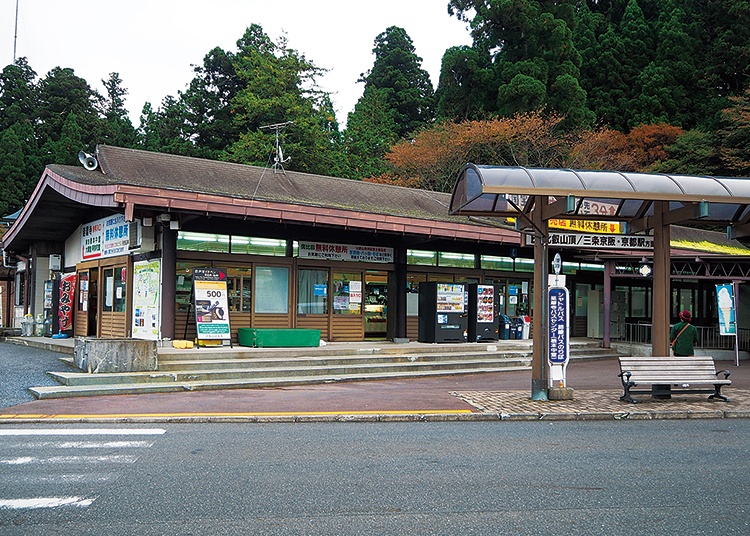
[601,195]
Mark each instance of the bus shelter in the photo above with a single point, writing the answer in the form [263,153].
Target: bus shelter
[643,203]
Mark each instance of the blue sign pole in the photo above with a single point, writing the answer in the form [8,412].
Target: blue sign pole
[558,338]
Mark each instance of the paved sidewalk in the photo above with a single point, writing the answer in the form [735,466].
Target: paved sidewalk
[486,397]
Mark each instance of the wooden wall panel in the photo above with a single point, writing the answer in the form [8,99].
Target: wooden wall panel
[347,328]
[272,321]
[412,327]
[113,325]
[314,322]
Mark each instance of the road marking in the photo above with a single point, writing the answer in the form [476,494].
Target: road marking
[82,431]
[45,502]
[25,460]
[89,445]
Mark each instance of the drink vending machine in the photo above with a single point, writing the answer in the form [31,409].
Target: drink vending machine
[484,318]
[443,312]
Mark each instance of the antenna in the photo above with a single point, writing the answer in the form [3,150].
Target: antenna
[15,34]
[278,159]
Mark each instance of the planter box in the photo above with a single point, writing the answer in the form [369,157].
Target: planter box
[278,338]
[95,355]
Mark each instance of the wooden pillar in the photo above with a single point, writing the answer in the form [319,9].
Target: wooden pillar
[400,294]
[661,282]
[168,282]
[608,268]
[538,320]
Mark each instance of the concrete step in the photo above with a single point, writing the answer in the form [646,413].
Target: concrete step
[65,391]
[240,367]
[284,371]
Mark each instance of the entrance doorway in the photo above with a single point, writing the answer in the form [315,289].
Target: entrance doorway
[376,304]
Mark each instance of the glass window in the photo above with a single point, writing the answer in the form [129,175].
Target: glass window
[424,258]
[184,283]
[272,289]
[456,260]
[312,292]
[115,289]
[239,286]
[258,246]
[347,293]
[488,262]
[524,265]
[188,241]
[412,293]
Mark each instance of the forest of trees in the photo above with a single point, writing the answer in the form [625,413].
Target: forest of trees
[635,85]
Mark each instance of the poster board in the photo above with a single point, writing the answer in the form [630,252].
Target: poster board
[211,304]
[146,299]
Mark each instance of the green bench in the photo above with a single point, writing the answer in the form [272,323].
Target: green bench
[278,338]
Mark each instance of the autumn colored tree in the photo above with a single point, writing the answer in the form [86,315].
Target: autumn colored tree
[642,149]
[435,156]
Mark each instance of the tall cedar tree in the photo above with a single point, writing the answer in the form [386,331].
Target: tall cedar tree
[398,74]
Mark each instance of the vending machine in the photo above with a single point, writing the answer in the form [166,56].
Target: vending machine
[483,318]
[443,312]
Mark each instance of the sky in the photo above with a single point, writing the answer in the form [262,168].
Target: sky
[152,44]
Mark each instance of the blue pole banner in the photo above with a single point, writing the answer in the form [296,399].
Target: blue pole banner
[726,306]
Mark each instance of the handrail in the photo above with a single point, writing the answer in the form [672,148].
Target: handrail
[708,336]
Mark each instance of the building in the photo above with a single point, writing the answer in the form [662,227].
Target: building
[115,244]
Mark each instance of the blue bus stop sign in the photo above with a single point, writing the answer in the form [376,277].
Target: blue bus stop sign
[557,301]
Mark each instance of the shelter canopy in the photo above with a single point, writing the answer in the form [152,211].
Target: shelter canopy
[601,195]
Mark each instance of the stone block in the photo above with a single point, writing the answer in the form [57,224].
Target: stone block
[560,393]
[94,355]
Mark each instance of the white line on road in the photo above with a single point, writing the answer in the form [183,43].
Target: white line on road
[88,444]
[25,460]
[82,431]
[44,502]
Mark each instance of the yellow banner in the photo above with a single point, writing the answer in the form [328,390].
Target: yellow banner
[588,226]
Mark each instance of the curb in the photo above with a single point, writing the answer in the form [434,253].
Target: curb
[373,417]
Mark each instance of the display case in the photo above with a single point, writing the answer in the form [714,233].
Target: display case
[375,320]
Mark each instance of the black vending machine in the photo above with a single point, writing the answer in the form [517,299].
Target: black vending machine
[442,312]
[484,320]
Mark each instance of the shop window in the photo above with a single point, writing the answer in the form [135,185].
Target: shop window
[216,243]
[347,293]
[258,246]
[421,257]
[412,293]
[271,290]
[488,262]
[312,292]
[239,288]
[184,283]
[456,260]
[524,265]
[115,289]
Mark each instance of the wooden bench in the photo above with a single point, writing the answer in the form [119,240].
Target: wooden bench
[695,375]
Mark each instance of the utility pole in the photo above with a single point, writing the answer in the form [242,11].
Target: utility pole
[15,34]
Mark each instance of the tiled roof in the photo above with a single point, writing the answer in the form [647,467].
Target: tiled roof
[171,172]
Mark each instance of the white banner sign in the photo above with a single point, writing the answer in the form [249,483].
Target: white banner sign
[344,252]
[107,237]
[598,241]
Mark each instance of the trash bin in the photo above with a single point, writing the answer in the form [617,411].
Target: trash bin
[518,324]
[504,332]
[526,326]
[27,326]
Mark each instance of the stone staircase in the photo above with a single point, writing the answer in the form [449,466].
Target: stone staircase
[240,367]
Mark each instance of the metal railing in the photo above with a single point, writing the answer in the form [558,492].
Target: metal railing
[708,336]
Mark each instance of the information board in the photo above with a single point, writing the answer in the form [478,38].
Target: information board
[211,304]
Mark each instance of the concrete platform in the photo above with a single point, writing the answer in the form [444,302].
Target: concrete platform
[500,396]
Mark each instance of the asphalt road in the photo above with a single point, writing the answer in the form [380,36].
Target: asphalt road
[22,367]
[643,477]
